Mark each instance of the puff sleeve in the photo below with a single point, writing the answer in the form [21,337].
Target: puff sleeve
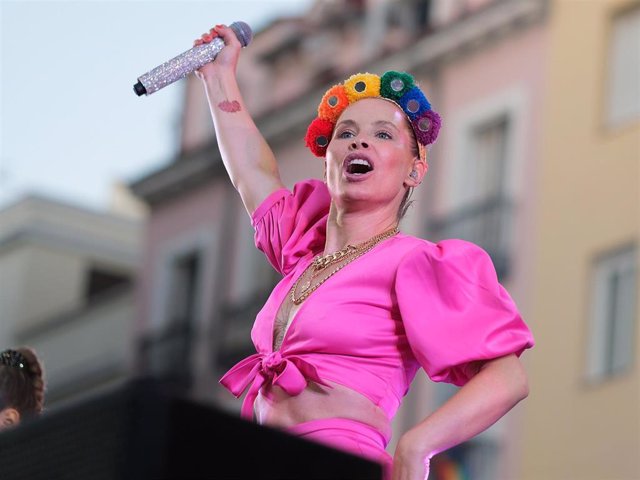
[290,224]
[454,310]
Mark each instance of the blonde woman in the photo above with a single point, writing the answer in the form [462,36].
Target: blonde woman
[362,306]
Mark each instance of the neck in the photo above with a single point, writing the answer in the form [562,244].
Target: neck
[351,228]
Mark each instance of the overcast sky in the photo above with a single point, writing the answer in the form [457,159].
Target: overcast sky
[70,123]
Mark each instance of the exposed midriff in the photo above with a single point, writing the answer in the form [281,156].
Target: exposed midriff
[277,408]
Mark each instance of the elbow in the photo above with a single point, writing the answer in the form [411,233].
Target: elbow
[524,388]
[512,377]
[520,383]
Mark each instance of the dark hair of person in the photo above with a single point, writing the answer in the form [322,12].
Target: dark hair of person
[22,384]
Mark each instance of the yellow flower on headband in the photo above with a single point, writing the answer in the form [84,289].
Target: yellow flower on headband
[362,85]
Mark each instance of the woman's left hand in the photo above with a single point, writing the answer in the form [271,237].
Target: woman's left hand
[409,462]
[499,385]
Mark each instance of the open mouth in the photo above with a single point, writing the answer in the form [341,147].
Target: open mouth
[358,166]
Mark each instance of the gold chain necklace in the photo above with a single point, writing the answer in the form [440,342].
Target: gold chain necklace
[350,253]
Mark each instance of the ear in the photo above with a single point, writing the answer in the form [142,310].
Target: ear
[9,417]
[420,167]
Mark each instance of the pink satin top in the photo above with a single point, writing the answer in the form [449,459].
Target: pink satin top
[405,304]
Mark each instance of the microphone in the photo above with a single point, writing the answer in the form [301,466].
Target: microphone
[187,62]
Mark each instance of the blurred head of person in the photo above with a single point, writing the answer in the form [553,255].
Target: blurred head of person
[22,386]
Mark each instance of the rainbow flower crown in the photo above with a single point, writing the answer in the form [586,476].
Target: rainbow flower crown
[398,87]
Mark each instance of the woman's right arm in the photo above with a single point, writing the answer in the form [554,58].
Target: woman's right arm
[249,161]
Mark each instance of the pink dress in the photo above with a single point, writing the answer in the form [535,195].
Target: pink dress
[405,304]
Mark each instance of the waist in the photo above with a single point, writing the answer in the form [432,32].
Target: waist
[275,407]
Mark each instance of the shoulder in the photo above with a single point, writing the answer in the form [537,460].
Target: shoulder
[311,194]
[447,262]
[308,194]
[311,188]
[311,183]
[445,251]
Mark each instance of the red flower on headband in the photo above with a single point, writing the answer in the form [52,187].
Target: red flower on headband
[333,103]
[318,136]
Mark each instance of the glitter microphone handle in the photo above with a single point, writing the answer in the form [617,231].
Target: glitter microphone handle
[185,63]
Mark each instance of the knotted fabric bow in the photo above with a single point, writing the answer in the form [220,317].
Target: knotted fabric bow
[291,373]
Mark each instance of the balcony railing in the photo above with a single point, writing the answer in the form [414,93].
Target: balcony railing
[165,354]
[487,223]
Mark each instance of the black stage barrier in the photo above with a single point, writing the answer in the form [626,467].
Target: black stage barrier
[141,431]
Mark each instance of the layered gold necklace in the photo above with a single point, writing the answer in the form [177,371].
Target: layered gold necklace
[342,258]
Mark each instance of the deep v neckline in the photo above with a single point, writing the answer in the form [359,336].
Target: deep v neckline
[287,298]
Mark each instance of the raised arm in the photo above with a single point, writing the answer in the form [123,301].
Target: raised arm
[249,161]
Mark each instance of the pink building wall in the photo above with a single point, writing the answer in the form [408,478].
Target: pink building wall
[188,212]
[514,65]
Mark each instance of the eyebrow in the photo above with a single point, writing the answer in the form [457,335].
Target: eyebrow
[376,123]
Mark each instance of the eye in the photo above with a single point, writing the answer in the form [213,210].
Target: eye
[384,135]
[345,134]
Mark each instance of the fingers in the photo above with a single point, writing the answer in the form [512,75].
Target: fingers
[228,56]
[228,35]
[206,37]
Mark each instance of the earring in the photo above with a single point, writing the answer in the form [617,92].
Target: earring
[413,174]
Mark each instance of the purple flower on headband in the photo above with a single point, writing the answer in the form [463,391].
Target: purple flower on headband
[426,127]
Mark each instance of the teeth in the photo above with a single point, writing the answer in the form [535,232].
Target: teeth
[359,161]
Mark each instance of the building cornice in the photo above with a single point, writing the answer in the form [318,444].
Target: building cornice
[467,34]
[50,236]
[48,326]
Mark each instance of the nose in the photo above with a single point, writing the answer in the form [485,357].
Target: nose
[361,143]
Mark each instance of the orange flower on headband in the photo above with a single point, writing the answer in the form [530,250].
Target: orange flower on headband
[333,103]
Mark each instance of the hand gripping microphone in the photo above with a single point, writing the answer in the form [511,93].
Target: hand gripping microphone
[187,62]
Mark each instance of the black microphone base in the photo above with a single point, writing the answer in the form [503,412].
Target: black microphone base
[139,89]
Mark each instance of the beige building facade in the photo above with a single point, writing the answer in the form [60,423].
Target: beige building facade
[582,418]
[67,276]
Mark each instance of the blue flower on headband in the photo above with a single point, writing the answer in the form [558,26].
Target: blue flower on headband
[414,103]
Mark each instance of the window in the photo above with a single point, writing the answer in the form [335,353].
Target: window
[483,209]
[184,288]
[422,11]
[486,171]
[613,315]
[100,280]
[623,94]
[166,351]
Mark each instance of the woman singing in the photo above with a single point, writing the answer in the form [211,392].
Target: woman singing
[361,306]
